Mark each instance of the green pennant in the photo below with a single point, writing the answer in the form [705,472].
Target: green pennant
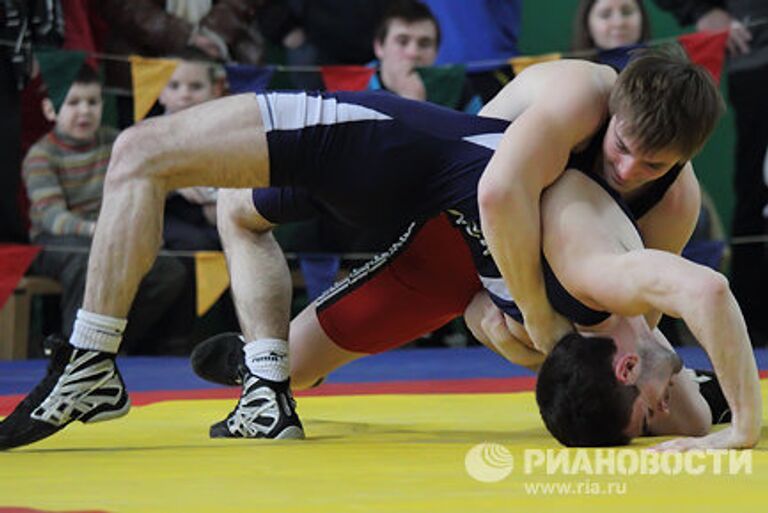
[443,84]
[59,69]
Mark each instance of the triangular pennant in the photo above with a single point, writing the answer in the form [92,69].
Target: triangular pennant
[149,77]
[59,69]
[346,78]
[14,262]
[443,84]
[618,58]
[706,49]
[212,278]
[244,78]
[520,63]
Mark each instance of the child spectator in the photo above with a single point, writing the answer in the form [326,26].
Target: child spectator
[190,213]
[64,175]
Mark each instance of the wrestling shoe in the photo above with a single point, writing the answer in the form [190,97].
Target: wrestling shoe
[78,385]
[266,409]
[220,359]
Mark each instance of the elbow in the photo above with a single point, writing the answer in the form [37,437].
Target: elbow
[493,199]
[714,288]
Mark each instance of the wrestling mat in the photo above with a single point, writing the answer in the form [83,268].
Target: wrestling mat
[420,430]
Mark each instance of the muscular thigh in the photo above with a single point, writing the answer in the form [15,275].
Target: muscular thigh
[220,143]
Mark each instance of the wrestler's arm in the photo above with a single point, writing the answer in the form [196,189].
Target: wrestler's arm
[632,283]
[531,155]
[669,224]
[500,333]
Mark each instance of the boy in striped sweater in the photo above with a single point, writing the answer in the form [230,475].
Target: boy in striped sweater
[64,175]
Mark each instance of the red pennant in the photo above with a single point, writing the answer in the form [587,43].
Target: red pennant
[707,49]
[346,78]
[14,262]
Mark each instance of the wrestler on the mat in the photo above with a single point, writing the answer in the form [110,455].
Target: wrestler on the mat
[372,160]
[429,277]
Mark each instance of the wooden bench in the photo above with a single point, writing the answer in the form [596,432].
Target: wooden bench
[15,315]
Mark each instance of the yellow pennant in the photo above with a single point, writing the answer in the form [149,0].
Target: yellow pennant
[520,63]
[212,278]
[149,77]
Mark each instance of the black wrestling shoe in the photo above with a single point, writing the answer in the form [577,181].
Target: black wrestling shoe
[220,359]
[78,385]
[266,409]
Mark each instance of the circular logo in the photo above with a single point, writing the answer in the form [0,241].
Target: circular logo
[489,463]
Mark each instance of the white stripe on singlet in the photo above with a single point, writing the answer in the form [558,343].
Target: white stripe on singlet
[293,111]
[490,141]
[497,287]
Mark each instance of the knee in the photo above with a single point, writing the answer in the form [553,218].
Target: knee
[133,155]
[235,210]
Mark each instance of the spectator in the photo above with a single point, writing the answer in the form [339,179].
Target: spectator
[190,213]
[609,24]
[23,23]
[64,174]
[320,32]
[747,76]
[222,29]
[407,37]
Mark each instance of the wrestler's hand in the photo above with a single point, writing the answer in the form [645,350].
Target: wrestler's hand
[728,438]
[546,327]
[500,333]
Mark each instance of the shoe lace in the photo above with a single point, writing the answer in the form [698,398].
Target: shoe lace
[244,416]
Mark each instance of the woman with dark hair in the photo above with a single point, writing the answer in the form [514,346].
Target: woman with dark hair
[609,24]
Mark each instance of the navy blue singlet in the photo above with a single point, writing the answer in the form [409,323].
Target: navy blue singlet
[375,159]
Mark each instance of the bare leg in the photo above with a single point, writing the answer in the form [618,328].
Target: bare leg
[261,282]
[220,143]
[313,354]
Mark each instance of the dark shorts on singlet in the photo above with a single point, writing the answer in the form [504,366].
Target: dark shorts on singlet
[374,159]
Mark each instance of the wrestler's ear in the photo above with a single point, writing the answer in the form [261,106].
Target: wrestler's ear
[626,368]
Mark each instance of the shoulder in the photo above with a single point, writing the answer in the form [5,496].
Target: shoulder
[683,198]
[571,93]
[670,223]
[43,148]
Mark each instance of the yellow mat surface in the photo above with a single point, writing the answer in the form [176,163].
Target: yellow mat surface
[386,453]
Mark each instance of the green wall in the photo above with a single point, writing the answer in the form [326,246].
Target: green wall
[547,28]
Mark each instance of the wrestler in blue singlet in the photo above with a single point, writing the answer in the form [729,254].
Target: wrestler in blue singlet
[375,159]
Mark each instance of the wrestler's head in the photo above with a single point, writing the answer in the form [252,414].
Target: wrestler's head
[663,109]
[597,391]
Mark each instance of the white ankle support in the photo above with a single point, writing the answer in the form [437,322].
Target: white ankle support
[268,358]
[97,332]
